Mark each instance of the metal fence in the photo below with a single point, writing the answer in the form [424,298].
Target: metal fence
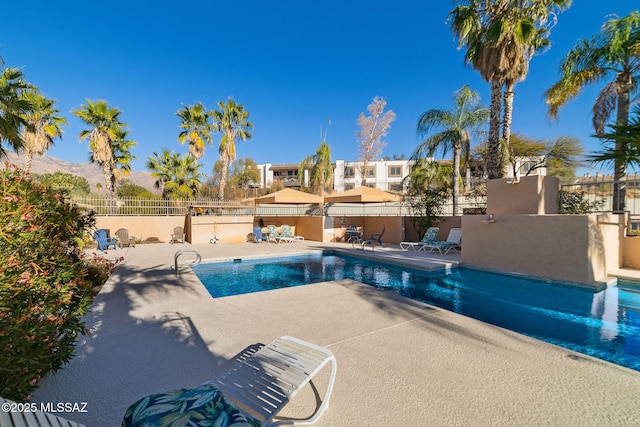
[161,207]
[601,191]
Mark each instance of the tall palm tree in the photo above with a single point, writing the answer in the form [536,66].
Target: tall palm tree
[160,167]
[614,56]
[122,155]
[13,106]
[626,136]
[104,123]
[233,121]
[196,128]
[500,36]
[321,176]
[454,129]
[44,125]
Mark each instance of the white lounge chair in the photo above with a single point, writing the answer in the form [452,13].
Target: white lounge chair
[452,242]
[430,236]
[177,236]
[252,391]
[31,417]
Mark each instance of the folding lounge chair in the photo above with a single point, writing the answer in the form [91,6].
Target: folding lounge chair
[287,232]
[103,241]
[430,236]
[32,417]
[452,242]
[277,237]
[252,391]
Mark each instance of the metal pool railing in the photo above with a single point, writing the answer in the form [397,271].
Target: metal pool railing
[192,263]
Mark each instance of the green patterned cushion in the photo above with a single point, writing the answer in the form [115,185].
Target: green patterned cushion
[201,406]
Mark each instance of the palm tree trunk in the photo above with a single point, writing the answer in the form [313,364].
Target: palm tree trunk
[624,85]
[508,113]
[223,176]
[494,162]
[455,182]
[28,158]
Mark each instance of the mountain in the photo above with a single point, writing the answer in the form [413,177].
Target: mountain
[91,171]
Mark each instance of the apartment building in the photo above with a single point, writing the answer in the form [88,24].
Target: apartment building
[384,175]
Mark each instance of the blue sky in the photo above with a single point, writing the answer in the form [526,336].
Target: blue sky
[293,64]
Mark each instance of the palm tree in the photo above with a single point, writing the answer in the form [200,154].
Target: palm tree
[104,124]
[501,36]
[455,128]
[13,106]
[184,178]
[122,152]
[196,128]
[160,167]
[44,125]
[612,55]
[626,136]
[321,175]
[233,121]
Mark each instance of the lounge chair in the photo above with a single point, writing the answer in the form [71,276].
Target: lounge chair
[452,242]
[258,236]
[103,241]
[177,236]
[30,416]
[430,236]
[251,392]
[277,237]
[124,239]
[287,232]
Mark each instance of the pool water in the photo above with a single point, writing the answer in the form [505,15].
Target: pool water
[602,324]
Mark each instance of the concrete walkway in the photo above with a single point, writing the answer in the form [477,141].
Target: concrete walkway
[400,362]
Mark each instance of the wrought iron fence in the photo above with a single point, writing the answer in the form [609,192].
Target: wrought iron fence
[602,192]
[161,207]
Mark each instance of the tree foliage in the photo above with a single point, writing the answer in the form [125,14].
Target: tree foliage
[45,289]
[372,129]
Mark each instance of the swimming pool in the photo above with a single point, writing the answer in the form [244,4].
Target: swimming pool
[604,324]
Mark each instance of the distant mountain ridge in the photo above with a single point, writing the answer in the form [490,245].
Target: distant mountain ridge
[91,171]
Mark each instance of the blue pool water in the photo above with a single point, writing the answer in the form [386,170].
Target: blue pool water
[605,324]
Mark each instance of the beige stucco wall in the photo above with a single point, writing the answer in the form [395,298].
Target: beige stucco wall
[142,227]
[536,194]
[631,252]
[229,229]
[574,248]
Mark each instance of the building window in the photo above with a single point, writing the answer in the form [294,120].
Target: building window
[526,167]
[395,171]
[349,187]
[370,172]
[349,172]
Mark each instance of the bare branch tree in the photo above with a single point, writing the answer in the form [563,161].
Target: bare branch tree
[372,129]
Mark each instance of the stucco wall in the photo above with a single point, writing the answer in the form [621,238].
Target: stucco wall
[142,227]
[575,248]
[631,251]
[531,195]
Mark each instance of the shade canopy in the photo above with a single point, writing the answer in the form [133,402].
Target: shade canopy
[288,196]
[362,195]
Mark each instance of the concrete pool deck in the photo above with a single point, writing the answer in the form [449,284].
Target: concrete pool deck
[400,362]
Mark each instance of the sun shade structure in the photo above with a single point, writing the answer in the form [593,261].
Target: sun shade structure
[362,195]
[288,196]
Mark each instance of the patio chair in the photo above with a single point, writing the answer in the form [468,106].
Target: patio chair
[373,239]
[103,241]
[430,236]
[452,242]
[257,232]
[124,239]
[287,232]
[277,237]
[177,236]
[353,234]
[251,392]
[31,416]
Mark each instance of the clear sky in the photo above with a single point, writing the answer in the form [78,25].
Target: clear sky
[293,64]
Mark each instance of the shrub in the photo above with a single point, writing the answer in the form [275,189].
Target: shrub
[45,290]
[577,202]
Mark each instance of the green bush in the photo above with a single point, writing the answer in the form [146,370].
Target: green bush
[45,289]
[577,202]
